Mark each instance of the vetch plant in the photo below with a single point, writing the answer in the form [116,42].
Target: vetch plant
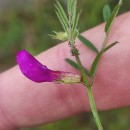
[37,72]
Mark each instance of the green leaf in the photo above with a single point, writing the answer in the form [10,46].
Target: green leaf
[75,23]
[95,63]
[72,63]
[96,60]
[61,16]
[62,11]
[76,66]
[110,46]
[106,12]
[74,11]
[69,6]
[112,17]
[88,43]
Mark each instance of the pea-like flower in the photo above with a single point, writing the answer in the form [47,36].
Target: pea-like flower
[38,72]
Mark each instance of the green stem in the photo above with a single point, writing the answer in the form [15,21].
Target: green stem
[85,79]
[93,108]
[90,94]
[105,40]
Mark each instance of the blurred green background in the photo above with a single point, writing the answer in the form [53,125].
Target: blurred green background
[27,23]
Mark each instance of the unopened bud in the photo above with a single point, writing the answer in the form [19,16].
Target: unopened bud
[63,36]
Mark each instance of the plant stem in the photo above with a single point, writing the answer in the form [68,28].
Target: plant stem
[90,95]
[75,53]
[105,40]
[85,80]
[93,108]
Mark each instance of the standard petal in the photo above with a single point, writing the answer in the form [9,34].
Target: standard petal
[34,70]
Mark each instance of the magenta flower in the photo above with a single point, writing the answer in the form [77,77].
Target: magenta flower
[37,72]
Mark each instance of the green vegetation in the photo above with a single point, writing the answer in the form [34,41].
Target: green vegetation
[28,27]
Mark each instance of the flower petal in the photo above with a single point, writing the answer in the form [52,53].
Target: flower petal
[34,70]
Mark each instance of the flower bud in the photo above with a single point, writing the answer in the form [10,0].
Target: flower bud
[63,36]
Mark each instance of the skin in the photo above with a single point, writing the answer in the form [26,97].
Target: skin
[24,103]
